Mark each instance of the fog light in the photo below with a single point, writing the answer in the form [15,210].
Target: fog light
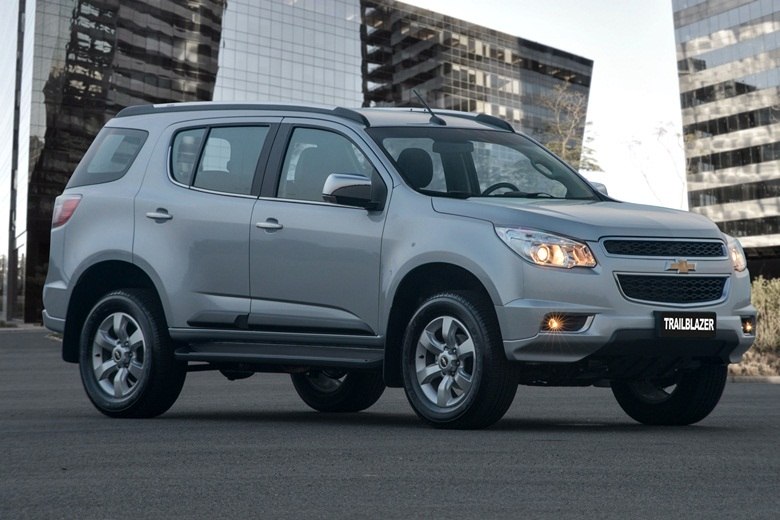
[554,324]
[564,322]
[749,326]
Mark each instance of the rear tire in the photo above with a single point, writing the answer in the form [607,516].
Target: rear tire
[335,390]
[455,371]
[689,401]
[126,357]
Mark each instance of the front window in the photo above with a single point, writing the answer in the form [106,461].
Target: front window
[314,154]
[463,163]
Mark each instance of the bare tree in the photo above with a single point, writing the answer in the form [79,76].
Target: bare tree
[564,134]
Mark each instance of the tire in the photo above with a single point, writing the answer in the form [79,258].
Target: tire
[126,357]
[689,401]
[334,390]
[455,372]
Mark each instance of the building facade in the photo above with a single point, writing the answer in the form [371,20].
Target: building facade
[458,65]
[728,52]
[82,61]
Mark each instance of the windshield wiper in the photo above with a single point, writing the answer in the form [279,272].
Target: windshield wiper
[526,195]
[448,194]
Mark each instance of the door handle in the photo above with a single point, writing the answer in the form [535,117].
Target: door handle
[160,214]
[270,224]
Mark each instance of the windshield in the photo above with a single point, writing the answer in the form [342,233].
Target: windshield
[464,163]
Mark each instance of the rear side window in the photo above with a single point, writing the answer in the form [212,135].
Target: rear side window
[184,155]
[225,163]
[109,157]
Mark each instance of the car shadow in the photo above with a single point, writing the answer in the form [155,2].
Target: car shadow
[410,421]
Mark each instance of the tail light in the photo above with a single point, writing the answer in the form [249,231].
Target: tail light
[64,207]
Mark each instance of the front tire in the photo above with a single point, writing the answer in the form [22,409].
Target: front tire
[688,401]
[455,372]
[334,390]
[126,357]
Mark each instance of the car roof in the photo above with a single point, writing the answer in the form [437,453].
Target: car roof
[368,117]
[414,116]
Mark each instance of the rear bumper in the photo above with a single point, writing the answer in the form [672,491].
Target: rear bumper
[52,323]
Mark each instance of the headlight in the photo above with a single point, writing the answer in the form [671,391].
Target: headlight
[545,249]
[736,253]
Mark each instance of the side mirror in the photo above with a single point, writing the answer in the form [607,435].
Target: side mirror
[351,190]
[599,187]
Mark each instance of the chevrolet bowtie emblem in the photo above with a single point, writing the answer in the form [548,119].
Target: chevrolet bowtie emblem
[681,266]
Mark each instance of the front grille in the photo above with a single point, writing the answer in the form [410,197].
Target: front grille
[672,289]
[669,248]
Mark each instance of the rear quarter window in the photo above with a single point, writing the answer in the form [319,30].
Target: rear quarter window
[109,157]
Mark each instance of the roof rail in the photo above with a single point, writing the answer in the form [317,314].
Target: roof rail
[187,107]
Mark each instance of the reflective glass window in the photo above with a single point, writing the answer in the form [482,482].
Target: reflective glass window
[229,159]
[313,155]
[465,163]
[109,157]
[184,154]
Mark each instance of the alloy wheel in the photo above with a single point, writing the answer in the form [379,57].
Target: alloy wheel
[445,362]
[119,355]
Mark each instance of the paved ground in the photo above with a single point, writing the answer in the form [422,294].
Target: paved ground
[252,449]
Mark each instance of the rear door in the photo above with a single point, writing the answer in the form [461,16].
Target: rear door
[193,216]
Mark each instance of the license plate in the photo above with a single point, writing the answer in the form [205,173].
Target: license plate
[686,324]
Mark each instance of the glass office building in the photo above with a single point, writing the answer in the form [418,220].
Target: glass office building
[291,50]
[90,59]
[81,61]
[458,65]
[729,72]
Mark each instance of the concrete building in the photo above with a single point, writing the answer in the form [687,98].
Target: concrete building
[728,52]
[81,61]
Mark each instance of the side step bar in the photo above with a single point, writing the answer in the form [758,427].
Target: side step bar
[291,355]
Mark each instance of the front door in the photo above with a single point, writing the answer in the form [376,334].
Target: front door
[315,265]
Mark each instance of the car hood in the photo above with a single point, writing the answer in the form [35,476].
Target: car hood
[586,220]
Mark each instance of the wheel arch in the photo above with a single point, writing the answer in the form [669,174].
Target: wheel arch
[417,285]
[93,283]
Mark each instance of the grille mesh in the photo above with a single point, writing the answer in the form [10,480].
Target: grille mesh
[672,289]
[665,248]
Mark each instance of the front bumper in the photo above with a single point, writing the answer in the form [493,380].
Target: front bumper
[615,335]
[617,325]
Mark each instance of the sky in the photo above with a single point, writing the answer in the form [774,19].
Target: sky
[634,120]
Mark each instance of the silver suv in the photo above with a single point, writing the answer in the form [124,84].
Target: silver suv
[357,249]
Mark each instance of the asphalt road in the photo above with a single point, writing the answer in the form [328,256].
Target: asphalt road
[252,449]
